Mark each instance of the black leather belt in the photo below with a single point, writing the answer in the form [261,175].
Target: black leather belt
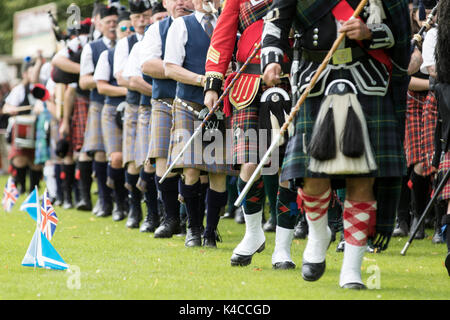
[319,55]
[254,68]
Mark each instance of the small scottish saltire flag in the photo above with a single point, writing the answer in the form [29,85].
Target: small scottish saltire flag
[49,220]
[42,254]
[10,195]
[31,205]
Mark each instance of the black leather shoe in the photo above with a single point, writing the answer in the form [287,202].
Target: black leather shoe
[239,216]
[134,218]
[401,230]
[168,229]
[313,271]
[150,224]
[84,205]
[242,261]
[301,229]
[210,242]
[269,226]
[420,234]
[193,238]
[354,286]
[96,208]
[285,265]
[229,214]
[119,213]
[106,211]
[341,245]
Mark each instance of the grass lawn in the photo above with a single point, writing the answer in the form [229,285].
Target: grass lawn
[117,263]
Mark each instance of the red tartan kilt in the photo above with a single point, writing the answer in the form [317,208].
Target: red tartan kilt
[444,166]
[429,126]
[79,121]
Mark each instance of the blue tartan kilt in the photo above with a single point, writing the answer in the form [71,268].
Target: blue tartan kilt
[142,135]
[112,134]
[129,133]
[160,126]
[384,132]
[93,137]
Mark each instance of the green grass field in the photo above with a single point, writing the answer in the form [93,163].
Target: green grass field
[117,263]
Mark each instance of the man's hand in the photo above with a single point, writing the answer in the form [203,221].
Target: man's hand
[211,98]
[9,109]
[356,29]
[272,74]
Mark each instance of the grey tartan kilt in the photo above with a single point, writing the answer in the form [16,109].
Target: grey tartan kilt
[143,132]
[160,126]
[184,124]
[112,134]
[93,137]
[129,133]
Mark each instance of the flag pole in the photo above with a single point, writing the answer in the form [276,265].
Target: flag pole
[38,225]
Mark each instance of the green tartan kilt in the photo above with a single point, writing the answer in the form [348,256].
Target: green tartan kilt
[384,132]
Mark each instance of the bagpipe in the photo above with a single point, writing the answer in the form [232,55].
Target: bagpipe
[427,25]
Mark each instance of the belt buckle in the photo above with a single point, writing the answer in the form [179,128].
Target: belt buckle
[342,56]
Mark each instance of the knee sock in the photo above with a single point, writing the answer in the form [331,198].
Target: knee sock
[20,178]
[446,229]
[104,192]
[191,196]
[271,189]
[118,176]
[202,204]
[254,201]
[151,193]
[215,202]
[68,179]
[35,178]
[169,195]
[419,192]
[319,234]
[232,193]
[85,169]
[287,208]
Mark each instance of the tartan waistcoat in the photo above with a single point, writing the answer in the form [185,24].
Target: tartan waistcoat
[97,47]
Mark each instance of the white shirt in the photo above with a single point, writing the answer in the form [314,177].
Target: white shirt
[122,52]
[151,44]
[87,62]
[428,47]
[177,37]
[132,66]
[16,96]
[73,45]
[103,69]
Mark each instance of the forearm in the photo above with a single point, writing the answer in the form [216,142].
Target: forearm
[109,90]
[182,75]
[121,81]
[154,68]
[140,85]
[87,82]
[66,64]
[417,84]
[69,98]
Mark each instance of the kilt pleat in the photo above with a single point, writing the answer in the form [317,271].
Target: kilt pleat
[444,166]
[112,135]
[130,122]
[160,126]
[143,132]
[93,137]
[427,138]
[79,122]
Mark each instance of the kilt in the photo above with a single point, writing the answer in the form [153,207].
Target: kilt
[384,135]
[79,121]
[129,133]
[160,126]
[93,136]
[444,166]
[184,124]
[112,135]
[142,135]
[429,125]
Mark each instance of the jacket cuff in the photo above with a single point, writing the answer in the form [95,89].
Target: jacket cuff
[214,81]
[382,37]
[271,55]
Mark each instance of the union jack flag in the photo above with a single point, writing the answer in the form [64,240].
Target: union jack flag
[49,220]
[10,195]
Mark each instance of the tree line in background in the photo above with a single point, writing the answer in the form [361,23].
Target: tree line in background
[9,7]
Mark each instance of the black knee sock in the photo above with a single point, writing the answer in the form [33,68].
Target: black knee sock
[120,192]
[287,208]
[404,203]
[191,197]
[35,178]
[104,192]
[151,195]
[232,193]
[85,168]
[20,178]
[202,203]
[215,202]
[169,195]
[446,224]
[420,188]
[254,200]
[271,189]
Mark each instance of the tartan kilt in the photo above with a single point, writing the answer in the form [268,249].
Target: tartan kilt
[129,133]
[93,136]
[429,125]
[79,122]
[444,166]
[384,135]
[184,124]
[143,131]
[112,135]
[160,126]
[414,127]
